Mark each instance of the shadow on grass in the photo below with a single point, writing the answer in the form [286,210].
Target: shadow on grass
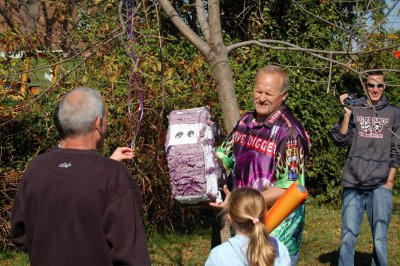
[175,258]
[396,207]
[360,258]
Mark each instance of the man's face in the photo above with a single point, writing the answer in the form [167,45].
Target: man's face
[375,86]
[267,95]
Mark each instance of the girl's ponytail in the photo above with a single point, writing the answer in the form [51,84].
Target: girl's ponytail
[260,251]
[247,213]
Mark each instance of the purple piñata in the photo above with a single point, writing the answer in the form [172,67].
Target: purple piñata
[193,167]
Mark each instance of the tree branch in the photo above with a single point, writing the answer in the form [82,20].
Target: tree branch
[320,18]
[214,19]
[293,47]
[383,20]
[6,14]
[201,15]
[330,73]
[201,45]
[29,13]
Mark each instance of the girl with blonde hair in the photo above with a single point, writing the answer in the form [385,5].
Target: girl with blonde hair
[251,245]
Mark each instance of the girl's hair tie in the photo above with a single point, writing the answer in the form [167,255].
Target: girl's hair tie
[255,220]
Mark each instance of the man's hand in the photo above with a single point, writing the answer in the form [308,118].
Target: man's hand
[224,204]
[122,153]
[342,98]
[344,127]
[391,178]
[389,184]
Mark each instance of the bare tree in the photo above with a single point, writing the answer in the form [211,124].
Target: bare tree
[215,52]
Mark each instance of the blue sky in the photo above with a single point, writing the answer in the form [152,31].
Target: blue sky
[394,18]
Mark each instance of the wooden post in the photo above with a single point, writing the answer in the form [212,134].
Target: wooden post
[55,74]
[25,74]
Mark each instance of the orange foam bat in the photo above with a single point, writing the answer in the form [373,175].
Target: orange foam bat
[293,197]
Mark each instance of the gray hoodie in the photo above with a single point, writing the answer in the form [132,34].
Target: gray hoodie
[373,147]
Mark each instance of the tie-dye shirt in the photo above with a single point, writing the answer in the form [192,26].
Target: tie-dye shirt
[272,153]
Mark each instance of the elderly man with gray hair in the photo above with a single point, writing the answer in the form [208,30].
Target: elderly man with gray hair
[74,206]
[269,150]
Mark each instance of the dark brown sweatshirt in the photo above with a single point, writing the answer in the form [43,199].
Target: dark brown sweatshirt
[76,207]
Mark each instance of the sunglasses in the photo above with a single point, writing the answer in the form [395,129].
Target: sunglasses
[379,86]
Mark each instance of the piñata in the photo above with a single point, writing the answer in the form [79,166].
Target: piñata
[190,147]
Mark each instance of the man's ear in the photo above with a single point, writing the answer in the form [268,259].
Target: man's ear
[98,124]
[285,95]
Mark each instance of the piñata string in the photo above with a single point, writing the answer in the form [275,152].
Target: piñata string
[134,80]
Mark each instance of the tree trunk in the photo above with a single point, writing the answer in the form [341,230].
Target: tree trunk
[25,74]
[216,54]
[29,12]
[222,74]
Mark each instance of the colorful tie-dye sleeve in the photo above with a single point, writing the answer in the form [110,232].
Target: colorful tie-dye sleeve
[225,152]
[291,161]
[290,167]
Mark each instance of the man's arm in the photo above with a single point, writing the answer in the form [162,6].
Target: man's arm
[18,234]
[394,150]
[124,228]
[272,194]
[290,166]
[344,127]
[342,132]
[224,154]
[391,178]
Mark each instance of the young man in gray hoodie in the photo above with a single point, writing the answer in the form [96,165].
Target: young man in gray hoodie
[371,130]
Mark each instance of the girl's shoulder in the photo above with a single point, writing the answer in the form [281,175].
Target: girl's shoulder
[282,258]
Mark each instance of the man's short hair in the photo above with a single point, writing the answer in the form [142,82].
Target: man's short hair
[79,110]
[374,73]
[277,69]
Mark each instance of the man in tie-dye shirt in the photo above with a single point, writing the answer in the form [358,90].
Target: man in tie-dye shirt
[268,149]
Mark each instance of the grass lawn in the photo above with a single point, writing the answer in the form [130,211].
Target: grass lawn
[320,243]
[321,239]
[319,246]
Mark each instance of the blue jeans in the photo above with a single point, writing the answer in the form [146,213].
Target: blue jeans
[378,204]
